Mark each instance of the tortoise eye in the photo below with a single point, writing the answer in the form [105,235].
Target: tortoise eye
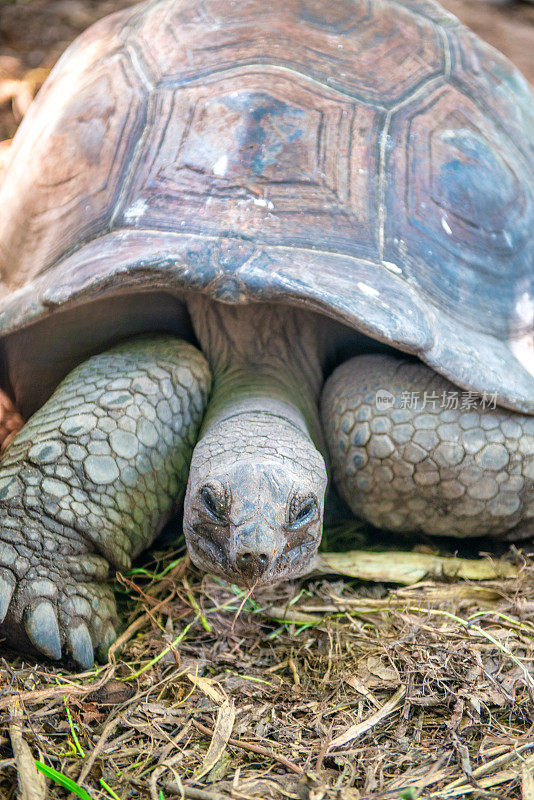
[301,511]
[213,502]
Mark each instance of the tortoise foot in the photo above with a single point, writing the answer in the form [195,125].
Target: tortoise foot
[412,452]
[53,601]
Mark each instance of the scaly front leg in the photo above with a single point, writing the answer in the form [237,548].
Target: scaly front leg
[88,483]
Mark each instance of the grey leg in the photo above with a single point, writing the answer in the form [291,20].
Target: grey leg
[414,464]
[87,484]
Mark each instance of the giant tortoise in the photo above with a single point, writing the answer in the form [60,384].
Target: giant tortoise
[211,209]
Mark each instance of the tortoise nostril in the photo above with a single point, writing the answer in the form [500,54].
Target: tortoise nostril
[252,564]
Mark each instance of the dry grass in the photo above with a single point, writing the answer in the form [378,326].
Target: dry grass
[318,689]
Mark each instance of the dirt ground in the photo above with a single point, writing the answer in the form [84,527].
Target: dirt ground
[322,689]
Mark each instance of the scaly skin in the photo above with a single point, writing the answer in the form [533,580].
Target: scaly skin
[443,471]
[88,483]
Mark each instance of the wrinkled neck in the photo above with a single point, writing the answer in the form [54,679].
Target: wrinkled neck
[264,359]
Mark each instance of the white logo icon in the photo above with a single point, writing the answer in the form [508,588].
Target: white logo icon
[384,400]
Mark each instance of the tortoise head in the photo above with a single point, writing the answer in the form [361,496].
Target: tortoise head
[254,509]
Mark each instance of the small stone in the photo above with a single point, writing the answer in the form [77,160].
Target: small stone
[185,378]
[166,388]
[65,472]
[470,507]
[133,411]
[119,384]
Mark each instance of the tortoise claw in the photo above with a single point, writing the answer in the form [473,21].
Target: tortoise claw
[43,630]
[7,586]
[80,645]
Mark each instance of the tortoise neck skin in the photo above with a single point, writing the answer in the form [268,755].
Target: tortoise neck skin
[254,504]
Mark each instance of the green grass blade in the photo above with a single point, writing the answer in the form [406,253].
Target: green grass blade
[109,790]
[62,780]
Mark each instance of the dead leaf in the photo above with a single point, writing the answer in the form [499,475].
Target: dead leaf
[377,667]
[223,730]
[407,568]
[362,727]
[208,686]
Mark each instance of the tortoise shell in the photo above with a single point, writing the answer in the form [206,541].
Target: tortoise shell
[369,159]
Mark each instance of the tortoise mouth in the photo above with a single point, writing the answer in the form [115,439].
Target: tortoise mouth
[212,558]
